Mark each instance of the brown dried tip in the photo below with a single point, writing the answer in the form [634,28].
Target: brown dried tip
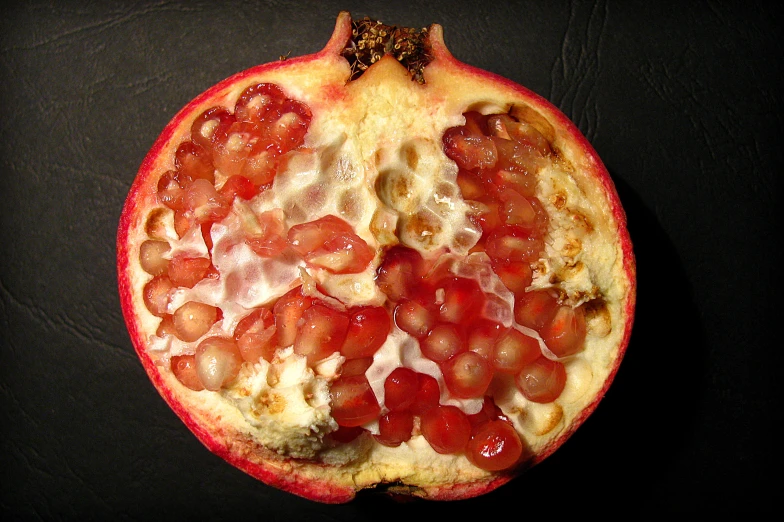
[370,40]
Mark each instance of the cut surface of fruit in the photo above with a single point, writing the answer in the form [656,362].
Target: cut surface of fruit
[376,265]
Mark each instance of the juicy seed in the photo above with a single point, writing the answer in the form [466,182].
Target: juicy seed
[495,446]
[565,333]
[218,362]
[321,333]
[542,381]
[514,351]
[330,243]
[353,401]
[184,368]
[367,331]
[443,343]
[151,256]
[395,428]
[446,428]
[467,375]
[400,389]
[194,319]
[414,319]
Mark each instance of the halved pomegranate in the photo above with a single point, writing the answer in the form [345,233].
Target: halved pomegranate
[376,264]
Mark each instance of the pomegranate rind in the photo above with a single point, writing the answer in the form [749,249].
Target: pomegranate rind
[223,432]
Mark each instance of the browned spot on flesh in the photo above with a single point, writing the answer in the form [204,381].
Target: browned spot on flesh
[572,246]
[581,220]
[552,418]
[597,317]
[422,226]
[273,403]
[412,156]
[558,200]
[527,114]
[155,226]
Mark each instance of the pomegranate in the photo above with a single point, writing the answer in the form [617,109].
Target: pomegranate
[376,265]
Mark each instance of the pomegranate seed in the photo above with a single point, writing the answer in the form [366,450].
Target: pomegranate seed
[427,395]
[564,335]
[184,369]
[268,239]
[488,214]
[321,333]
[523,182]
[483,336]
[535,309]
[516,209]
[151,258]
[186,271]
[517,276]
[156,295]
[517,157]
[414,319]
[446,429]
[257,321]
[182,222]
[495,446]
[194,319]
[400,272]
[471,187]
[504,126]
[166,327]
[211,128]
[542,381]
[470,151]
[193,163]
[367,331]
[513,244]
[288,311]
[262,163]
[442,343]
[400,388]
[330,243]
[462,299]
[170,191]
[218,362]
[353,401]
[238,187]
[255,346]
[467,375]
[289,131]
[204,202]
[257,101]
[395,428]
[513,351]
[356,366]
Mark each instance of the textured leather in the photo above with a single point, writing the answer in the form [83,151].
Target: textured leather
[682,100]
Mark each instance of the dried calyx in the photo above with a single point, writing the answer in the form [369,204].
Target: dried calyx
[371,39]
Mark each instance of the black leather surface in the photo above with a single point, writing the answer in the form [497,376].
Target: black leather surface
[683,102]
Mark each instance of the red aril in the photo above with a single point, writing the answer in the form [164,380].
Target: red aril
[395,428]
[446,429]
[467,375]
[320,333]
[194,319]
[353,401]
[288,311]
[513,351]
[427,394]
[330,243]
[186,271]
[564,334]
[367,331]
[414,318]
[443,342]
[542,380]
[184,369]
[535,309]
[400,389]
[324,215]
[495,446]
[218,362]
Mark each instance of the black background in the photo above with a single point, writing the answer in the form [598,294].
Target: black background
[683,102]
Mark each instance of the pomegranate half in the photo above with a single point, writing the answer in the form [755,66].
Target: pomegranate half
[376,265]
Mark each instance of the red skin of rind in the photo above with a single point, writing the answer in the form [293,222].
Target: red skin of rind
[284,474]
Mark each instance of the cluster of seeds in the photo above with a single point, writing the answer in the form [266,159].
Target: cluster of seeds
[451,317]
